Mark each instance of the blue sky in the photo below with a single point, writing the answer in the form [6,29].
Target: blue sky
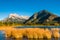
[28,7]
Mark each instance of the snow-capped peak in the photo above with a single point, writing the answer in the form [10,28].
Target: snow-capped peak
[17,16]
[13,15]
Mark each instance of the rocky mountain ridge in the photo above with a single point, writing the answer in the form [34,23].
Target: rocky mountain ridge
[43,17]
[15,18]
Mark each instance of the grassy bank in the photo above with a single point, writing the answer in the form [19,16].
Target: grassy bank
[30,32]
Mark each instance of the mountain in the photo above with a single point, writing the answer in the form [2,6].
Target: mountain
[15,18]
[42,17]
[57,19]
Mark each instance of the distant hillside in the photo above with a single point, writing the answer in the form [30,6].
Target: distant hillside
[15,18]
[43,17]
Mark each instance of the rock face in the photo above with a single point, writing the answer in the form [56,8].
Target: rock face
[42,17]
[57,19]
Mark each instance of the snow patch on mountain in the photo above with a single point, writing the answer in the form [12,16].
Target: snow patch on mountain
[13,16]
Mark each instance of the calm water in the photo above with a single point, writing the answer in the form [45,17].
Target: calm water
[37,27]
[2,34]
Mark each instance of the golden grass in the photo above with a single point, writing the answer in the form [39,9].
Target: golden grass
[30,32]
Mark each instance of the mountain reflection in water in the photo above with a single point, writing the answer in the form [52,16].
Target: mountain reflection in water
[32,39]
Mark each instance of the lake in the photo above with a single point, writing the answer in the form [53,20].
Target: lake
[37,27]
